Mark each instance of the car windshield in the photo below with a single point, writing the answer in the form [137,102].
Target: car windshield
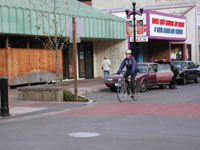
[180,65]
[164,68]
[142,68]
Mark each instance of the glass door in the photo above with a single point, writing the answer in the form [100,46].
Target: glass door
[81,60]
[70,59]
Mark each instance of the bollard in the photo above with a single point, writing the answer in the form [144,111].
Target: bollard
[4,96]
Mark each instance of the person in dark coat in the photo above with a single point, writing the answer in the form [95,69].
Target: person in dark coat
[174,69]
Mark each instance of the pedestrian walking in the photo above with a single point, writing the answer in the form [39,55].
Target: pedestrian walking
[106,67]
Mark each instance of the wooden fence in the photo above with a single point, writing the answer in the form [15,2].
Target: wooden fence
[24,66]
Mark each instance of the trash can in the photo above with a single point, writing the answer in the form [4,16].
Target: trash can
[4,110]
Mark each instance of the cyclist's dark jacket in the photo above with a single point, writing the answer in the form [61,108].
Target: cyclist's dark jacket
[130,64]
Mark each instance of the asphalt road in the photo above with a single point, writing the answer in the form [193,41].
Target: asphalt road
[158,120]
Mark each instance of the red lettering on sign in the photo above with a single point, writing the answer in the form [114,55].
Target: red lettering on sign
[155,21]
[169,23]
[176,24]
[181,24]
[162,21]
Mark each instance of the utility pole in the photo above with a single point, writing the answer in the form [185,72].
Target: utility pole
[74,59]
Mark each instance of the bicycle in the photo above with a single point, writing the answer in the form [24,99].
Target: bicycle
[124,89]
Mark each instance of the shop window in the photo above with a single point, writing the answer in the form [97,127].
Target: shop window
[18,42]
[36,44]
[177,52]
[2,42]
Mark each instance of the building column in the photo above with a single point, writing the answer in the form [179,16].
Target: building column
[140,57]
[8,59]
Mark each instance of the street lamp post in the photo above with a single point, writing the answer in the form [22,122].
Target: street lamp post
[134,13]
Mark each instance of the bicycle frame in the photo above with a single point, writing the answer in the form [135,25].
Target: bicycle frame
[124,89]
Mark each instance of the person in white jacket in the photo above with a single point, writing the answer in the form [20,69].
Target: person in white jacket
[106,66]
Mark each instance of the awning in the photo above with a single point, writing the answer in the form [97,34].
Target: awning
[36,17]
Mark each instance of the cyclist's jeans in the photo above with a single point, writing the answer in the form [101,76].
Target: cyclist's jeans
[126,75]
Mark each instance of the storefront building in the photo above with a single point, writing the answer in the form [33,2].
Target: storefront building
[155,36]
[166,28]
[25,59]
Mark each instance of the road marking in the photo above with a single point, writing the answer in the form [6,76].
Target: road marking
[84,134]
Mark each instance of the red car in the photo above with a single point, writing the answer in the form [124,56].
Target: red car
[149,74]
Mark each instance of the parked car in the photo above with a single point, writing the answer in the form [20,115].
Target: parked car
[149,74]
[188,71]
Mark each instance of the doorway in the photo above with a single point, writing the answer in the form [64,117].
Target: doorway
[85,59]
[67,61]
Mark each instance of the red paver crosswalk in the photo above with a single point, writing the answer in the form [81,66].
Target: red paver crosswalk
[163,109]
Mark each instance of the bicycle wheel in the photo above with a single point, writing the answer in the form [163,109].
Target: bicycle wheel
[121,92]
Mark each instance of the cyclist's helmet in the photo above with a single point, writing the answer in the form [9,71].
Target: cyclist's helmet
[128,51]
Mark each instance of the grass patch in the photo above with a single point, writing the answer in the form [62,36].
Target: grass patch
[69,96]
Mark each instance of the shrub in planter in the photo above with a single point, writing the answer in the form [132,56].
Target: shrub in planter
[69,96]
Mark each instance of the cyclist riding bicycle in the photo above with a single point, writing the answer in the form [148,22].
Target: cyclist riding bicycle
[130,64]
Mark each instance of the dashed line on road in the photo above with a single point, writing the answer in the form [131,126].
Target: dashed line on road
[83,134]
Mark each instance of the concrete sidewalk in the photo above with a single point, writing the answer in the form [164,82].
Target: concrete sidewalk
[21,108]
[86,86]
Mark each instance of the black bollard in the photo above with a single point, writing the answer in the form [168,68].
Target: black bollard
[4,96]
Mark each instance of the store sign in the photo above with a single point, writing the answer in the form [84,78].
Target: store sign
[139,39]
[167,27]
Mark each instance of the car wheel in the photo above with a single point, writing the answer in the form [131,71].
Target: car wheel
[143,86]
[184,80]
[197,80]
[113,89]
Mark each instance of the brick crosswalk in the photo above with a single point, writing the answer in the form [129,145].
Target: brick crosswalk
[162,109]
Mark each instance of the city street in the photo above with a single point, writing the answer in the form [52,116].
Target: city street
[159,119]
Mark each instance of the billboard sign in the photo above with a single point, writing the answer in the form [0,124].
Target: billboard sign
[167,27]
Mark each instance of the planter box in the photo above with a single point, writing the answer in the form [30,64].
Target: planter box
[41,93]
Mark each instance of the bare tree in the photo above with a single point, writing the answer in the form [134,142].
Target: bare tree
[48,12]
